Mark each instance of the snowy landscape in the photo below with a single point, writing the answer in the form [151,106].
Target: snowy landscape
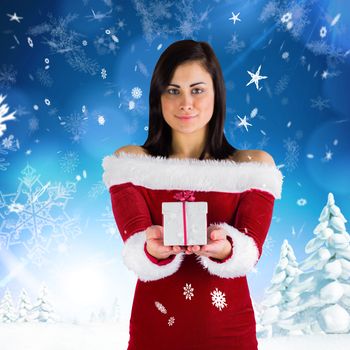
[115,337]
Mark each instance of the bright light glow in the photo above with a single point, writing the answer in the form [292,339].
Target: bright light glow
[83,286]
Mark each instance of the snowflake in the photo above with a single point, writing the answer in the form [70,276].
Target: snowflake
[97,189]
[64,41]
[269,10]
[44,77]
[285,55]
[7,76]
[319,103]
[160,307]
[301,202]
[282,84]
[287,17]
[189,21]
[188,291]
[268,246]
[69,161]
[171,321]
[78,61]
[234,45]
[33,124]
[218,299]
[101,120]
[292,154]
[75,124]
[103,73]
[136,93]
[299,11]
[142,68]
[152,14]
[328,156]
[254,112]
[9,144]
[3,117]
[99,16]
[137,107]
[263,142]
[35,217]
[318,47]
[106,45]
[323,32]
[108,222]
[21,111]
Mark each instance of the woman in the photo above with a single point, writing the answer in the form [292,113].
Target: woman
[191,297]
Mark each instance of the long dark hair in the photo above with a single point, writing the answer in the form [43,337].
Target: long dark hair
[159,138]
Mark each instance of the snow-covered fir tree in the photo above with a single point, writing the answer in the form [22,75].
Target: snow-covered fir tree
[276,314]
[7,310]
[43,310]
[115,311]
[24,307]
[102,315]
[324,285]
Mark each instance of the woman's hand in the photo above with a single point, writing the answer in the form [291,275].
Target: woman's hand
[217,247]
[155,243]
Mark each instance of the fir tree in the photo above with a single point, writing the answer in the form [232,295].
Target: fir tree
[43,310]
[324,285]
[7,311]
[277,308]
[24,307]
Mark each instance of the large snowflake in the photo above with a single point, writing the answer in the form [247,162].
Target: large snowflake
[292,154]
[7,76]
[288,15]
[5,116]
[35,217]
[65,41]
[218,299]
[157,18]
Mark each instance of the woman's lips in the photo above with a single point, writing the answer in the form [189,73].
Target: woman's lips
[185,117]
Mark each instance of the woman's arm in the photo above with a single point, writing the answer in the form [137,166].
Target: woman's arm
[246,232]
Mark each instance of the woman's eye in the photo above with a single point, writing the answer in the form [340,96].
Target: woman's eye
[172,91]
[175,92]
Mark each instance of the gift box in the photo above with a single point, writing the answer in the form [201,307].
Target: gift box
[185,223]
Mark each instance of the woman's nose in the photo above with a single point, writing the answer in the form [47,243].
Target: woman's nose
[186,102]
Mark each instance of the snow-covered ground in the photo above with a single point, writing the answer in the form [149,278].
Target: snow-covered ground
[115,337]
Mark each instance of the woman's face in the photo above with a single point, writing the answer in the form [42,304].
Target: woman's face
[190,93]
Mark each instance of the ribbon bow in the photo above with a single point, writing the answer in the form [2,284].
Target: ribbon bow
[183,196]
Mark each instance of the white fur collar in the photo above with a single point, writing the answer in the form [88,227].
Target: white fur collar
[191,174]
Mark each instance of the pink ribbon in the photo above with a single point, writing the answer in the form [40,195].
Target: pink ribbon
[183,196]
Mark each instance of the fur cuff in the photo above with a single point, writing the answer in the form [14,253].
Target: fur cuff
[136,260]
[245,255]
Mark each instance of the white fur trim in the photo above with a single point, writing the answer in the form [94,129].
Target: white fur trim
[136,260]
[245,255]
[191,174]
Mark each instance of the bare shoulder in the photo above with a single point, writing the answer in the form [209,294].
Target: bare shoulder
[132,149]
[253,155]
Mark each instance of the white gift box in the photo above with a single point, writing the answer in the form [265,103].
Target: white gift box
[188,229]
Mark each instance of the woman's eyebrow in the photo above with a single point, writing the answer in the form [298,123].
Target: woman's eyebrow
[201,82]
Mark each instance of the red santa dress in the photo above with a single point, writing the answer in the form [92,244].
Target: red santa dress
[188,302]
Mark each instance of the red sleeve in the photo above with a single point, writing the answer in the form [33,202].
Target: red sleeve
[253,215]
[130,209]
